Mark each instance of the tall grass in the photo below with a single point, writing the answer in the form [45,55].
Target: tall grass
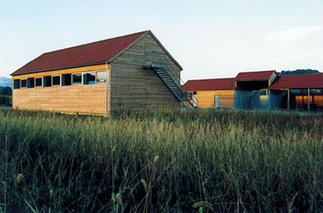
[161,161]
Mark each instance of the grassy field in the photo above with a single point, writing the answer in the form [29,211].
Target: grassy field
[169,161]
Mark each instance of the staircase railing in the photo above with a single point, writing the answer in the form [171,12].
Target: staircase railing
[166,63]
[171,85]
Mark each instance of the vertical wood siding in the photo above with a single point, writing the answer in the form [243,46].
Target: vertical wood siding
[133,87]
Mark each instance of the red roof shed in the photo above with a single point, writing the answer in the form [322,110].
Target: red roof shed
[252,76]
[209,84]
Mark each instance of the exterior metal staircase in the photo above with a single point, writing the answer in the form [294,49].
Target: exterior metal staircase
[171,85]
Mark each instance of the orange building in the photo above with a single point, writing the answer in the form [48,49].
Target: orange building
[211,93]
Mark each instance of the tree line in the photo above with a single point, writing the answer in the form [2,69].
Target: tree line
[5,91]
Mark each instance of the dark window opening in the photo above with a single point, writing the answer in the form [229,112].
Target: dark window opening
[66,79]
[23,83]
[16,84]
[30,82]
[56,80]
[77,78]
[89,78]
[47,81]
[39,82]
[252,85]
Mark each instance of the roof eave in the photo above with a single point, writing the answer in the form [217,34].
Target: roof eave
[254,79]
[60,68]
[96,63]
[206,89]
[108,60]
[311,87]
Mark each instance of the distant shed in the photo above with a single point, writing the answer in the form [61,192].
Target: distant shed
[210,93]
[252,89]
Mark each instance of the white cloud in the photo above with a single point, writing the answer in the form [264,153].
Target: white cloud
[293,34]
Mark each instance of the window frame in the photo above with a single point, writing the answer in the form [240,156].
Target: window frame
[14,85]
[88,72]
[41,82]
[23,80]
[81,83]
[29,85]
[45,82]
[60,81]
[71,79]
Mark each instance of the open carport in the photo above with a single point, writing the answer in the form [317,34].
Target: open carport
[297,92]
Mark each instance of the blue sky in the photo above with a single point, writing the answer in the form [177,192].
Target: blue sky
[210,39]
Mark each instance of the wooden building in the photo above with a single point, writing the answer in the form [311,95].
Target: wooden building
[211,93]
[129,72]
[264,90]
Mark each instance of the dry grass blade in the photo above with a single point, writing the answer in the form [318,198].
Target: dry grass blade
[162,160]
[203,204]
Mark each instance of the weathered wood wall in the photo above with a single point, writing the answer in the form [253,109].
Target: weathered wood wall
[78,98]
[133,87]
[205,99]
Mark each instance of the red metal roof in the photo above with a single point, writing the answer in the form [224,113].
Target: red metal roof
[299,81]
[209,84]
[258,75]
[92,53]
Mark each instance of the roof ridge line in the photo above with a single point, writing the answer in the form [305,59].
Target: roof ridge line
[80,45]
[45,63]
[258,71]
[205,79]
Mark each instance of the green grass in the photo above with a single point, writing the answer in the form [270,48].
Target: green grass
[161,161]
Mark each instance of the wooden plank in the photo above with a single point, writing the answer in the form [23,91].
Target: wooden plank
[205,99]
[135,88]
[109,90]
[77,98]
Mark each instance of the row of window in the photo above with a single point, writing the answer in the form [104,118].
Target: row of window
[301,100]
[84,78]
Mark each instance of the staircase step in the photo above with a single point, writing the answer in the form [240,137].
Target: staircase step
[171,84]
